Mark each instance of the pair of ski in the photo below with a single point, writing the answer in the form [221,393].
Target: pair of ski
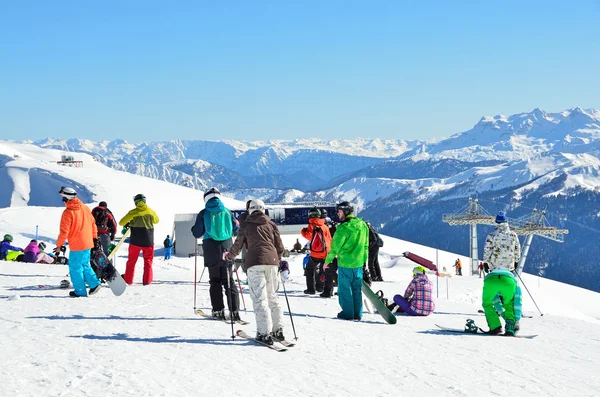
[201,313]
[285,344]
[479,332]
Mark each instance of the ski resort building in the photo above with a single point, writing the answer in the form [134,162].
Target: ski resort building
[289,217]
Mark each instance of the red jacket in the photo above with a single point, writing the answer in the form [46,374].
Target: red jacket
[307,233]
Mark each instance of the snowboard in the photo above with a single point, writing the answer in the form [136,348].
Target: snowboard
[113,253]
[387,315]
[480,332]
[108,272]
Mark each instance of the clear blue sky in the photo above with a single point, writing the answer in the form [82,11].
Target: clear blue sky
[160,70]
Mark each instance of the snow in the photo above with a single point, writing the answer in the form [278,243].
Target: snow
[148,342]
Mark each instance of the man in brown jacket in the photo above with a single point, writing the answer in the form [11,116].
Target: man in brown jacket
[265,249]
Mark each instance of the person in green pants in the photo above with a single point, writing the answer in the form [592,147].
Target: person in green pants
[501,252]
[350,245]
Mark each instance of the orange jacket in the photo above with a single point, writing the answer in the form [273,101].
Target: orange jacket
[307,233]
[78,226]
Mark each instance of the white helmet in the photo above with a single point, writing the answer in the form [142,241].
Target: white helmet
[212,193]
[67,193]
[256,205]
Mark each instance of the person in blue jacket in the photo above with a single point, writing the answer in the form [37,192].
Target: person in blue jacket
[5,246]
[168,243]
[216,225]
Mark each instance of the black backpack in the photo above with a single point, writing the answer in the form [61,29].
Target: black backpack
[167,243]
[101,218]
[374,239]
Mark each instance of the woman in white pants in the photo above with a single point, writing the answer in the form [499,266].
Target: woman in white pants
[265,249]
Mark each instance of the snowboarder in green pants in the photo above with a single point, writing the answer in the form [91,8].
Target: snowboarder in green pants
[501,252]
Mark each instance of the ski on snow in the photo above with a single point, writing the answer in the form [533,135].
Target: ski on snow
[201,313]
[482,332]
[275,347]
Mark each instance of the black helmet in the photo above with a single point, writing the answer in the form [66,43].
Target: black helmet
[139,197]
[42,245]
[346,207]
[323,213]
[212,193]
[314,213]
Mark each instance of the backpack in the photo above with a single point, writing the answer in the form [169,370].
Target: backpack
[167,243]
[374,238]
[218,225]
[101,218]
[317,243]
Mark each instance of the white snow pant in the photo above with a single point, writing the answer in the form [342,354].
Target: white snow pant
[262,281]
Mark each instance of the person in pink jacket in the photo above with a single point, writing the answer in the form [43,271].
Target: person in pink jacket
[31,252]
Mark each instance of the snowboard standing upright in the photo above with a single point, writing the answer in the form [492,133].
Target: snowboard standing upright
[108,272]
[387,315]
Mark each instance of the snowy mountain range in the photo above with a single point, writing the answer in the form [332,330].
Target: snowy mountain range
[512,163]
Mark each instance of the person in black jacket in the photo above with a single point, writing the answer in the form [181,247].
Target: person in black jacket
[216,225]
[106,224]
[374,242]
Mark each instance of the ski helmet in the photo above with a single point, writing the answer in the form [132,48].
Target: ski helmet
[346,207]
[212,193]
[257,205]
[42,245]
[139,197]
[8,237]
[67,193]
[323,213]
[419,270]
[314,213]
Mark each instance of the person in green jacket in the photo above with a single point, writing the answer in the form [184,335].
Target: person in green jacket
[350,245]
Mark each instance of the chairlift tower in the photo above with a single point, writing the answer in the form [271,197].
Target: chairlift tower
[533,224]
[472,214]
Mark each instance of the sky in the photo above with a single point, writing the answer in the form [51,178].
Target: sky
[152,70]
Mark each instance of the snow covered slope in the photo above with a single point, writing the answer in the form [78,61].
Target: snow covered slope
[148,342]
[31,178]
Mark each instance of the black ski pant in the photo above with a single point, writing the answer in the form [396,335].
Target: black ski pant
[374,268]
[217,276]
[314,269]
[330,275]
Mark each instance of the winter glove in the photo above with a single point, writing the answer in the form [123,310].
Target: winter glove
[124,230]
[56,250]
[112,237]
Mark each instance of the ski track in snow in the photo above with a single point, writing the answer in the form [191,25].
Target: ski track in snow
[148,342]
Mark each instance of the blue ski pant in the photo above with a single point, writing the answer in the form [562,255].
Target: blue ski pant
[168,253]
[349,292]
[81,272]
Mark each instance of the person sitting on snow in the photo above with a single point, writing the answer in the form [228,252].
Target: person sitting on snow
[5,247]
[31,252]
[417,299]
[43,257]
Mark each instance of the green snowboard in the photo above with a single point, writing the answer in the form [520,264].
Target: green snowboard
[387,315]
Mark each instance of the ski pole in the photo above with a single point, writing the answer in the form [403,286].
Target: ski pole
[229,279]
[240,285]
[289,310]
[533,300]
[195,271]
[202,274]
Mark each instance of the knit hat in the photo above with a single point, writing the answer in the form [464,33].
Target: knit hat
[501,217]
